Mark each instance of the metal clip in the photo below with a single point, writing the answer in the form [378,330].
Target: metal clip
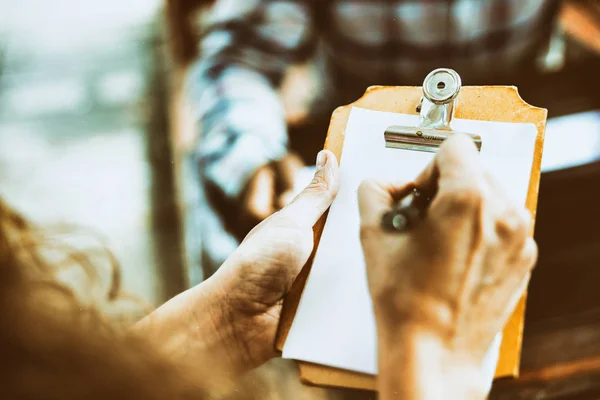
[436,109]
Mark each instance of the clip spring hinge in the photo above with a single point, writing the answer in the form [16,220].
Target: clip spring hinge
[440,90]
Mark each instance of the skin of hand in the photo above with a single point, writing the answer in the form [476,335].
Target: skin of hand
[269,190]
[444,289]
[227,325]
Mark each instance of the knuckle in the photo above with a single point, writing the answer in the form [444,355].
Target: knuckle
[529,255]
[513,225]
[319,184]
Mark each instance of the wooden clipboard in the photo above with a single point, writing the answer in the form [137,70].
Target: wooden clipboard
[486,103]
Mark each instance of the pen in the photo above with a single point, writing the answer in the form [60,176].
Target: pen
[407,213]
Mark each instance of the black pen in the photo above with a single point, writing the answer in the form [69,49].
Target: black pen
[407,213]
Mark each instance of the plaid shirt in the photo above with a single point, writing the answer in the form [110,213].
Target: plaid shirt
[247,46]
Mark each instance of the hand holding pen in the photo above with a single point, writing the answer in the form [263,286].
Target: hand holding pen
[455,271]
[407,213]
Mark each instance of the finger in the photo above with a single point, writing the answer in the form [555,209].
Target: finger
[514,217]
[308,206]
[517,266]
[457,163]
[529,254]
[513,226]
[514,298]
[377,197]
[522,275]
[456,180]
[260,194]
[521,263]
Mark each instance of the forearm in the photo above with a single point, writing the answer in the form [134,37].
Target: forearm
[195,331]
[415,364]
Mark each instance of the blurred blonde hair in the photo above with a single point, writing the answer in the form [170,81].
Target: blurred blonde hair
[52,345]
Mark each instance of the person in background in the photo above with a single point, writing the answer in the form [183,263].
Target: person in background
[438,304]
[247,156]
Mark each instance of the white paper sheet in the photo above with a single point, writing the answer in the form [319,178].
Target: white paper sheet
[334,323]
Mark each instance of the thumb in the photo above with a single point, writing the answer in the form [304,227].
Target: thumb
[308,206]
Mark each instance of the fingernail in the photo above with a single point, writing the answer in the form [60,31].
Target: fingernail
[321,159]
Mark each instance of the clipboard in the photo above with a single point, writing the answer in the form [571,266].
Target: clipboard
[484,103]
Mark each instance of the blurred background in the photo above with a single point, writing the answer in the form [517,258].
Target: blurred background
[96,130]
[83,129]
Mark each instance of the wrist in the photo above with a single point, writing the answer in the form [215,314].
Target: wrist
[195,332]
[245,332]
[415,362]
